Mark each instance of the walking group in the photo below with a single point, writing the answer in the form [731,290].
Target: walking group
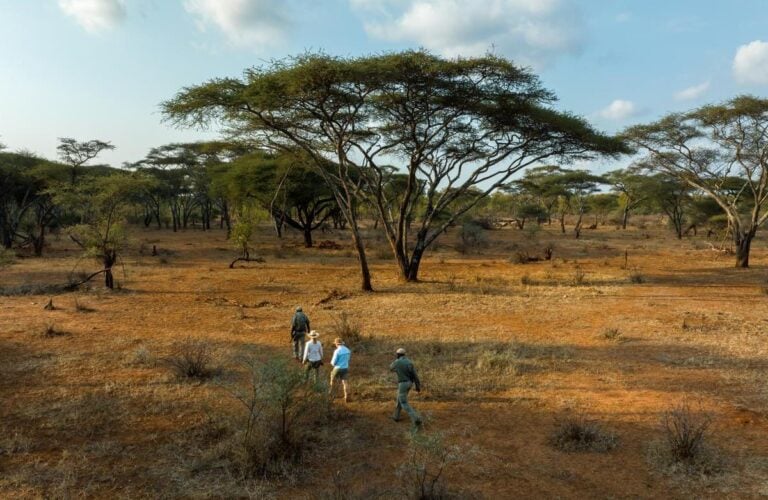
[310,353]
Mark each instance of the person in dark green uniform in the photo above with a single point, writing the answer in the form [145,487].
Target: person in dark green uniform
[406,379]
[299,329]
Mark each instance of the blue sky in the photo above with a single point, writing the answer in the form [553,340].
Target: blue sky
[97,69]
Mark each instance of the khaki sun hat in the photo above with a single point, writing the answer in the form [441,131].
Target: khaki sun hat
[313,334]
[400,351]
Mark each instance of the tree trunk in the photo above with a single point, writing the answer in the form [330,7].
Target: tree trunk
[365,273]
[110,258]
[577,228]
[308,236]
[624,217]
[403,264]
[562,223]
[413,267]
[743,243]
[38,242]
[7,240]
[278,225]
[226,219]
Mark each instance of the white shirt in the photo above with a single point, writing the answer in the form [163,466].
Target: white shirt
[313,351]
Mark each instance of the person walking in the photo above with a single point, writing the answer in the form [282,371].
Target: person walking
[313,356]
[406,378]
[340,363]
[299,328]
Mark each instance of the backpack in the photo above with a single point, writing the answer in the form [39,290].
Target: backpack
[300,322]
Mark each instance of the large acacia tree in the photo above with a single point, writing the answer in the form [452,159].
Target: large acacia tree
[457,129]
[711,147]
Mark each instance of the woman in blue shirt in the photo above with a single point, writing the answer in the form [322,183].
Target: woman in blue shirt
[340,363]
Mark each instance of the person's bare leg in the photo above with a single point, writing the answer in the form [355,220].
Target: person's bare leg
[345,385]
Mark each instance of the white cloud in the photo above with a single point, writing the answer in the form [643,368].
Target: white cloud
[254,24]
[532,32]
[693,92]
[750,65]
[94,15]
[619,110]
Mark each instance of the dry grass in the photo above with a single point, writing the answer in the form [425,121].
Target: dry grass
[577,433]
[500,348]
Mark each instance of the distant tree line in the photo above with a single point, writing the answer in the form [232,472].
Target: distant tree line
[411,142]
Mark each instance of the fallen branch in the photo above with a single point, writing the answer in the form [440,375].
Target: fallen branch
[246,259]
[72,286]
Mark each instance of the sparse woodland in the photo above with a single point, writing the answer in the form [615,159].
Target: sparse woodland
[578,334]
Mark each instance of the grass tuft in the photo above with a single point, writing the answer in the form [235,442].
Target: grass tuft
[576,433]
[192,359]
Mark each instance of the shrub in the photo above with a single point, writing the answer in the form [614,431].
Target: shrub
[685,432]
[472,237]
[50,330]
[611,334]
[282,412]
[636,277]
[577,433]
[519,258]
[685,448]
[142,356]
[526,280]
[423,476]
[578,277]
[191,359]
[347,329]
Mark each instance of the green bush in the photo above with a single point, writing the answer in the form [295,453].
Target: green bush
[281,414]
[472,237]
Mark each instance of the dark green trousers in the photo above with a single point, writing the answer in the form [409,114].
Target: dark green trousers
[403,388]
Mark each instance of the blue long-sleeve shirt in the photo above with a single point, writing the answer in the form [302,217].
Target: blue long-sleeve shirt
[341,357]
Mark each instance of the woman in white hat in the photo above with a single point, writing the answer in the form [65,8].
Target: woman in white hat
[313,356]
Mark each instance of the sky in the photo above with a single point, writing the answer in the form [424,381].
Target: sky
[98,69]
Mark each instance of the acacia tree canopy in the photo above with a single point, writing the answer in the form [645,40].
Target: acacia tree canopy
[76,154]
[452,126]
[721,150]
